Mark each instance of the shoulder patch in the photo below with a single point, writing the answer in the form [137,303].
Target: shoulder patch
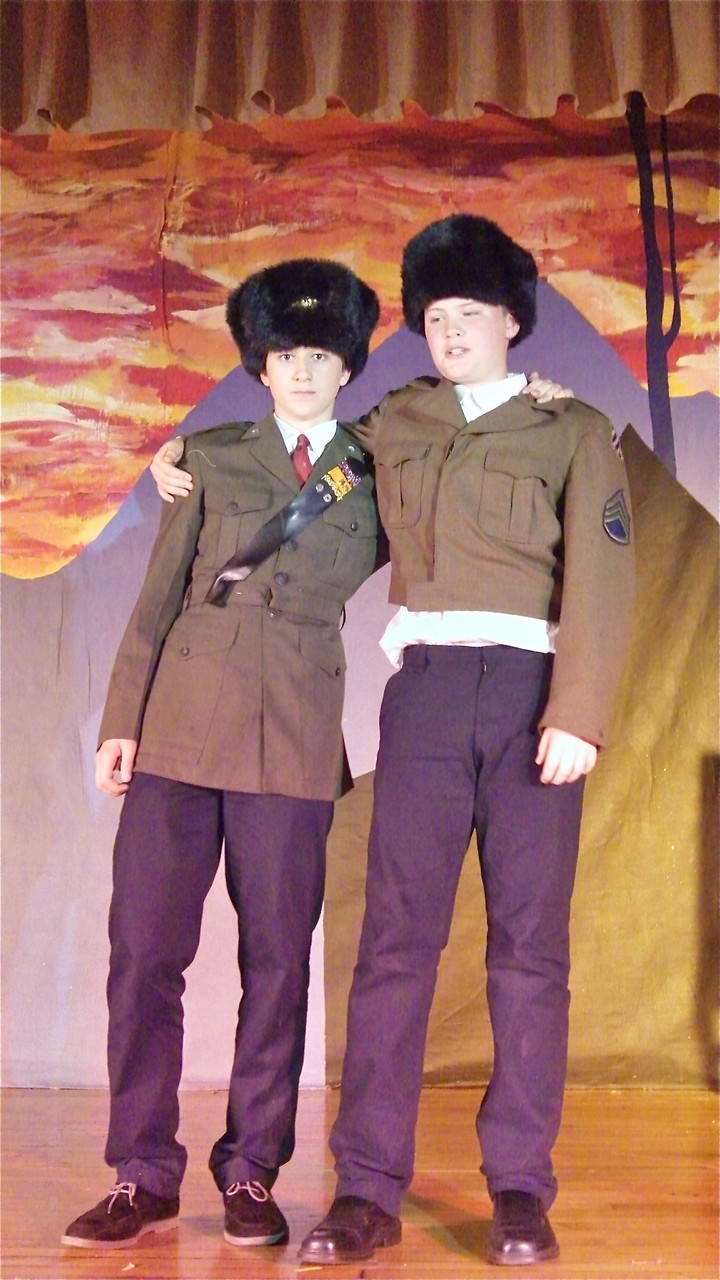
[615,440]
[616,518]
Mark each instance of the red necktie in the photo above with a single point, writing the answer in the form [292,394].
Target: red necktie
[301,459]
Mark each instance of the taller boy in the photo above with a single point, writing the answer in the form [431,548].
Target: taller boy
[510,537]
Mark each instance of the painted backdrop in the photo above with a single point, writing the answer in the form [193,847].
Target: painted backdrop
[118,253]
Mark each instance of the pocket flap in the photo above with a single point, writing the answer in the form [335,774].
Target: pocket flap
[203,629]
[393,455]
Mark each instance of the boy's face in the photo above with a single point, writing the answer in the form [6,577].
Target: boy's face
[304,383]
[468,340]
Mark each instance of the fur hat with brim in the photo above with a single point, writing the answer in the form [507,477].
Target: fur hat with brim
[465,256]
[304,302]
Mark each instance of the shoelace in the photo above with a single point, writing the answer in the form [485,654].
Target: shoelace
[122,1189]
[255,1190]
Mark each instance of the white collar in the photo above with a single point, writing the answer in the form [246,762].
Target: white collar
[481,399]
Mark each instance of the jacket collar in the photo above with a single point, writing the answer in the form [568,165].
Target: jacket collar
[268,449]
[519,412]
[442,405]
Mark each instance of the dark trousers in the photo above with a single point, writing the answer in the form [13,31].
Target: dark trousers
[457,750]
[166,855]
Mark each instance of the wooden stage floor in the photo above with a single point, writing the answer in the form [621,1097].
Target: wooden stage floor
[638,1173]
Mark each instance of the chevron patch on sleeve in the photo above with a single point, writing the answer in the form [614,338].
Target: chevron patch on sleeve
[616,518]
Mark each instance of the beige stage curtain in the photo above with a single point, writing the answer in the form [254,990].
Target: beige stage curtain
[645,910]
[107,65]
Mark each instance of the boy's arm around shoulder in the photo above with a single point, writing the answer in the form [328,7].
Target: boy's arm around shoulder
[367,429]
[598,586]
[364,432]
[409,398]
[174,481]
[171,480]
[158,605]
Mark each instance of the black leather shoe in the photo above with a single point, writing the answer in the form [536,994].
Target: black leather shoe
[351,1230]
[520,1231]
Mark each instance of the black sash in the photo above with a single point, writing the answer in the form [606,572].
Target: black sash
[310,502]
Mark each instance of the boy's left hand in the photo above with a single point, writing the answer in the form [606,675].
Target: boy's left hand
[563,757]
[542,389]
[171,481]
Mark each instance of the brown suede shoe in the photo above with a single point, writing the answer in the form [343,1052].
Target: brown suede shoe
[520,1231]
[122,1218]
[351,1230]
[252,1216]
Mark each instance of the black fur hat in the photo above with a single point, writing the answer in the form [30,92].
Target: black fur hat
[465,256]
[304,302]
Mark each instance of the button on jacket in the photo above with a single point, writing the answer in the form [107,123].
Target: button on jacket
[513,513]
[245,697]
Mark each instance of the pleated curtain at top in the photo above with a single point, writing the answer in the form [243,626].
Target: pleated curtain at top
[104,65]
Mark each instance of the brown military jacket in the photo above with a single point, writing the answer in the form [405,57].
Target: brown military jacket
[525,510]
[246,697]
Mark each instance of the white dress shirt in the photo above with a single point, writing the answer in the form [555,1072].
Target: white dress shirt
[319,437]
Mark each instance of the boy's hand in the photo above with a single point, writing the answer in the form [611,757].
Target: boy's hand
[563,757]
[542,389]
[172,483]
[113,755]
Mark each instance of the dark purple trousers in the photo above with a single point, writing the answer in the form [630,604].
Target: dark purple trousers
[167,852]
[458,742]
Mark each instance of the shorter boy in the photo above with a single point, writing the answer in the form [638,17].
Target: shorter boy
[225,726]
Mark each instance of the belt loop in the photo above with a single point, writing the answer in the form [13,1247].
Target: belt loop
[416,657]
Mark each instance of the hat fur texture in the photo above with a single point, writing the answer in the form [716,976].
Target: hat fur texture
[465,256]
[304,302]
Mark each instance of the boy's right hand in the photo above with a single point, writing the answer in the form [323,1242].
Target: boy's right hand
[172,483]
[115,755]
[563,757]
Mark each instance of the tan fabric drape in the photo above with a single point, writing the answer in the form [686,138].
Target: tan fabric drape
[106,65]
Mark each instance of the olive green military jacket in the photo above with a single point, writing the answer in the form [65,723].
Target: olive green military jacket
[525,510]
[249,696]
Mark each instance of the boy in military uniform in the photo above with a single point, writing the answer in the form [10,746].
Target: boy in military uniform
[512,565]
[223,724]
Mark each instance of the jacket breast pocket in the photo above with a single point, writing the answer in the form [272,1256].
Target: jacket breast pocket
[516,508]
[231,522]
[353,522]
[399,477]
